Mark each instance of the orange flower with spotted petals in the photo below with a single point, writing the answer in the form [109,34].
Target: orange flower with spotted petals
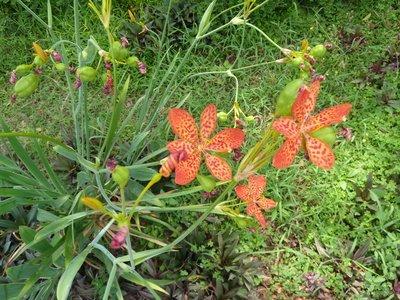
[298,128]
[252,194]
[197,143]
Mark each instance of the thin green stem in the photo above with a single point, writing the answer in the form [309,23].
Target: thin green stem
[266,37]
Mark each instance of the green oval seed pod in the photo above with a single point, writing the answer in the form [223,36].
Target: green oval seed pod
[132,61]
[38,61]
[23,69]
[121,176]
[26,85]
[86,73]
[325,134]
[286,98]
[118,52]
[318,51]
[222,116]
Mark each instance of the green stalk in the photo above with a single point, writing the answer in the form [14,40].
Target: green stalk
[266,37]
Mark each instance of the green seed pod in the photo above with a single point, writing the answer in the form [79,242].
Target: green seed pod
[296,62]
[118,52]
[206,182]
[222,116]
[325,134]
[318,51]
[60,67]
[22,70]
[86,73]
[26,85]
[121,176]
[132,61]
[38,61]
[286,98]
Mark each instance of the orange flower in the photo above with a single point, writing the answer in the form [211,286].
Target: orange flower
[252,194]
[197,143]
[297,128]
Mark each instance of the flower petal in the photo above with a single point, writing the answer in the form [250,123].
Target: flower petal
[180,145]
[257,185]
[242,191]
[287,126]
[187,169]
[328,116]
[226,140]
[208,121]
[183,125]
[253,210]
[266,203]
[306,99]
[320,153]
[218,167]
[284,157]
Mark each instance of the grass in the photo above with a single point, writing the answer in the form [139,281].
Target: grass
[320,223]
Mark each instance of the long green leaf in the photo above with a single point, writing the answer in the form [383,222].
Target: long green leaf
[115,117]
[59,224]
[25,158]
[65,283]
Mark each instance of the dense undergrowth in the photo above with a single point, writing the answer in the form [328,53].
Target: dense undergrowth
[333,235]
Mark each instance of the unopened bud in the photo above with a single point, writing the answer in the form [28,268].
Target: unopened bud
[237,21]
[93,203]
[142,67]
[132,61]
[249,119]
[56,56]
[222,116]
[318,51]
[13,77]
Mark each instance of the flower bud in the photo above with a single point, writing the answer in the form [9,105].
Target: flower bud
[26,85]
[60,67]
[142,67]
[297,61]
[23,69]
[86,73]
[56,56]
[13,77]
[121,176]
[237,21]
[206,182]
[132,61]
[93,203]
[318,51]
[222,116]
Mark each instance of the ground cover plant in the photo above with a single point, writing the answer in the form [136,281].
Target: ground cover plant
[159,237]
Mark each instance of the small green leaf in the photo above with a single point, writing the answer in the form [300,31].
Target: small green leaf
[28,234]
[142,173]
[207,182]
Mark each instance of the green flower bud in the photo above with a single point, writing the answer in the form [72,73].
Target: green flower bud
[38,61]
[249,119]
[26,85]
[286,98]
[86,73]
[325,134]
[60,67]
[305,75]
[118,52]
[132,61]
[318,51]
[222,116]
[206,182]
[121,176]
[23,69]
